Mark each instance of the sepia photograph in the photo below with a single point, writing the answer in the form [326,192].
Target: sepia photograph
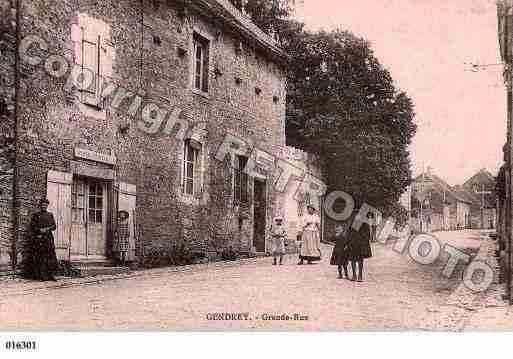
[255,166]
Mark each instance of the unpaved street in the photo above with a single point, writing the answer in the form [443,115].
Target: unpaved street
[397,294]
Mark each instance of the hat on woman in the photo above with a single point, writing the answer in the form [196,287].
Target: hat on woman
[124,214]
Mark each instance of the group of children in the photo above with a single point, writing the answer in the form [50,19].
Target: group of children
[350,246]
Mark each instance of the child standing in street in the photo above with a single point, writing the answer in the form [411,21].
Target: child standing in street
[340,255]
[278,235]
[122,237]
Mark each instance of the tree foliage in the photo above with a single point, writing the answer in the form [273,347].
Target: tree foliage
[343,105]
[271,16]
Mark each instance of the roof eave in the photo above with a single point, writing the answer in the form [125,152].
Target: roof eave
[240,24]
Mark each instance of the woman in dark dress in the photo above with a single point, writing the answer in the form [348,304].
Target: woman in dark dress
[340,255]
[41,260]
[359,248]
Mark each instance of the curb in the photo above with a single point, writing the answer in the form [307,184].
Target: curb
[67,282]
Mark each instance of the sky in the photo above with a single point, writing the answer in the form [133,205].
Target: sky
[426,45]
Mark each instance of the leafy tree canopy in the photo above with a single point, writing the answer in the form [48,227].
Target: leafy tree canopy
[343,105]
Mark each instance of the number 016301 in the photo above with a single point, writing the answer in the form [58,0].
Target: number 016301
[20,345]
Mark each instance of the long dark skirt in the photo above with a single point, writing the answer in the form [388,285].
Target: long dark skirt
[340,254]
[40,261]
[359,245]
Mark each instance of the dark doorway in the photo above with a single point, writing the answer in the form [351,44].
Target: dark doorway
[259,215]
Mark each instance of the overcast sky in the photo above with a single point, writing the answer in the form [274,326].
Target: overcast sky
[461,115]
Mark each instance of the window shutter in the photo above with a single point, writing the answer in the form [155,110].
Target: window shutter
[244,179]
[206,54]
[58,192]
[91,63]
[197,65]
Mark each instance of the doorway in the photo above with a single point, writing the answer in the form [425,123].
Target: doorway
[259,214]
[88,218]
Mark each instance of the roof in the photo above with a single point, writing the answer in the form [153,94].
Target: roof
[467,195]
[240,24]
[483,180]
[481,177]
[445,187]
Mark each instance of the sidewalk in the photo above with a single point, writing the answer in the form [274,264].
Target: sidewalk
[491,311]
[487,311]
[16,285]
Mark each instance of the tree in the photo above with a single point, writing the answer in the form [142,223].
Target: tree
[342,105]
[271,16]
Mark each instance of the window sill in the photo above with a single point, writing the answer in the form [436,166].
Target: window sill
[200,93]
[92,111]
[189,199]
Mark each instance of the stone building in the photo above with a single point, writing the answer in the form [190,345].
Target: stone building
[125,105]
[481,186]
[293,201]
[7,59]
[443,207]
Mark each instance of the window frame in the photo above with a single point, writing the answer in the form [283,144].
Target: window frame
[240,180]
[187,147]
[203,42]
[89,97]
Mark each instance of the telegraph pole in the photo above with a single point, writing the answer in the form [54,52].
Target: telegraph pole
[482,193]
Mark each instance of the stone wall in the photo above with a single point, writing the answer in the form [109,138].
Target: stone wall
[7,47]
[149,50]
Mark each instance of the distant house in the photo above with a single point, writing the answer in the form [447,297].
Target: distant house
[481,187]
[438,206]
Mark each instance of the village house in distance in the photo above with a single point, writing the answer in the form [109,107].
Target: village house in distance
[437,206]
[203,61]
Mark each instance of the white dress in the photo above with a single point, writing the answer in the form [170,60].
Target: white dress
[310,240]
[278,234]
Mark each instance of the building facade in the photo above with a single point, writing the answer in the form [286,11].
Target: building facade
[437,206]
[295,198]
[481,186]
[7,101]
[126,105]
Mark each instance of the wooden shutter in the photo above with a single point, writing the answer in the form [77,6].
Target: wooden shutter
[58,188]
[91,62]
[205,45]
[127,194]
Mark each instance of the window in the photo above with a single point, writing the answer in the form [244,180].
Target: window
[190,166]
[78,202]
[238,4]
[95,203]
[91,56]
[200,64]
[240,180]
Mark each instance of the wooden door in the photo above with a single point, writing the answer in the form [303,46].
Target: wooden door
[259,214]
[78,217]
[59,194]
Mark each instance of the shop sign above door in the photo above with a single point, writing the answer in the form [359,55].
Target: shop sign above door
[95,156]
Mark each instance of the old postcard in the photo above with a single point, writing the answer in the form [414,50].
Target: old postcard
[255,165]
